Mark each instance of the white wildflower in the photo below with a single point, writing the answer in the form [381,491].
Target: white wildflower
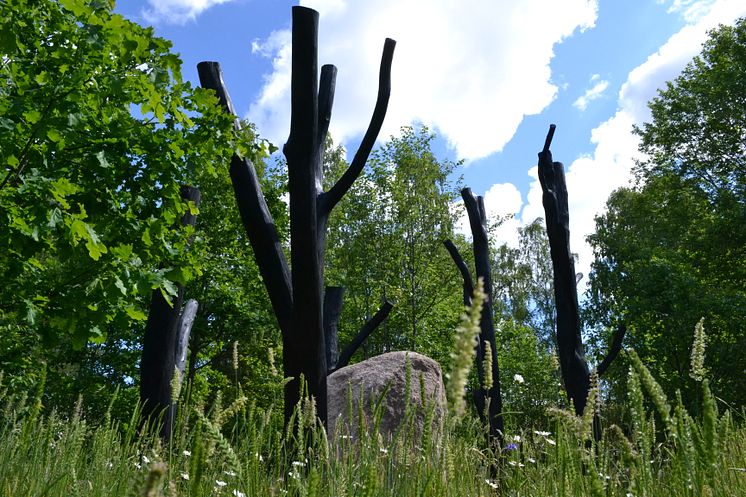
[518,378]
[236,493]
[220,483]
[187,453]
[492,484]
[185,476]
[543,433]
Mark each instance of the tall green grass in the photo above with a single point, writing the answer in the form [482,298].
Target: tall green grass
[238,449]
[234,448]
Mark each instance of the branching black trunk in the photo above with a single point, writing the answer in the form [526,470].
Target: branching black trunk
[297,297]
[478,223]
[164,335]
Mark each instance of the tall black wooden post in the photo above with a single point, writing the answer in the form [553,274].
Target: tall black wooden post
[165,334]
[574,368]
[297,296]
[478,223]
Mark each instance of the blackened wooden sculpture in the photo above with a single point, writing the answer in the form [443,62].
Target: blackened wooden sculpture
[164,342]
[575,372]
[297,297]
[478,223]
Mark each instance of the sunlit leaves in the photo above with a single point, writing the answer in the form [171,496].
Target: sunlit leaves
[672,249]
[89,202]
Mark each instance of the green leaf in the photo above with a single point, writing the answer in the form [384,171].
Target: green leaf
[42,78]
[33,116]
[54,135]
[135,313]
[96,335]
[123,251]
[102,159]
[78,7]
[118,283]
[179,275]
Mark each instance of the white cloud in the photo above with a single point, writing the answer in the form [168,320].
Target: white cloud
[590,179]
[177,11]
[501,202]
[472,70]
[691,10]
[592,93]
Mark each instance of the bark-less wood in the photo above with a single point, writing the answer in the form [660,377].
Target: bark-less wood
[573,365]
[332,310]
[478,224]
[297,296]
[161,340]
[186,321]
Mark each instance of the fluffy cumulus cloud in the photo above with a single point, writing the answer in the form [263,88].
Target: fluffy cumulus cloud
[597,89]
[590,179]
[502,202]
[177,11]
[472,70]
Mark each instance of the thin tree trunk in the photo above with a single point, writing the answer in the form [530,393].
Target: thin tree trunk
[159,357]
[478,223]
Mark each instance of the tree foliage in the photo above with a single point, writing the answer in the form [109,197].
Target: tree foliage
[98,134]
[385,242]
[523,288]
[672,249]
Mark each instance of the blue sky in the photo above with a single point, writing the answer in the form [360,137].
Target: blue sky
[488,76]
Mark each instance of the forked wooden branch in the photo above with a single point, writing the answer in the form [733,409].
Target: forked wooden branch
[463,269]
[614,349]
[365,331]
[329,199]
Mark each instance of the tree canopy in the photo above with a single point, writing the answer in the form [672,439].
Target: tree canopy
[99,133]
[672,249]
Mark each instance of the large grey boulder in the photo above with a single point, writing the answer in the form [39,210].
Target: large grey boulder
[386,374]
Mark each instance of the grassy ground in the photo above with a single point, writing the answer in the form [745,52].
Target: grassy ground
[238,450]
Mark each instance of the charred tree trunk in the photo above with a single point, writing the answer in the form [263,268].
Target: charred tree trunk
[164,341]
[478,224]
[575,371]
[297,297]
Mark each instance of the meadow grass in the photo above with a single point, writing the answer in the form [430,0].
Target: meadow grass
[240,450]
